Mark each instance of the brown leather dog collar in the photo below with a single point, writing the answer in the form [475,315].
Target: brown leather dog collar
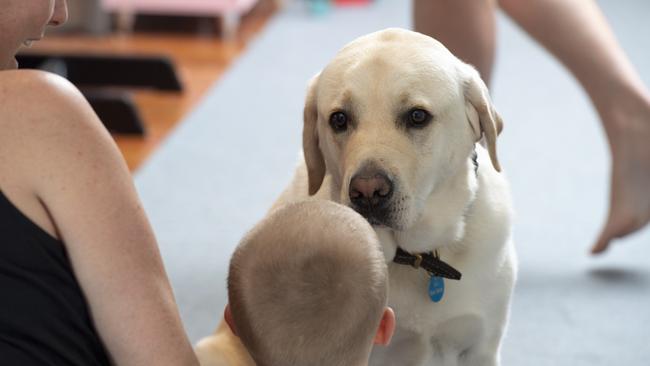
[430,262]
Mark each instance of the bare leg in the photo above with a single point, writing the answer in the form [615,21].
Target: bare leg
[576,32]
[465,27]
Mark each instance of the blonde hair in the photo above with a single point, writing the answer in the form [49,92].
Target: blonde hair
[308,286]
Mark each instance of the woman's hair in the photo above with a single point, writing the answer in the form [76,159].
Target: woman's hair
[308,286]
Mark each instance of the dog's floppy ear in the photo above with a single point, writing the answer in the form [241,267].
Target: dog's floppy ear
[481,114]
[313,155]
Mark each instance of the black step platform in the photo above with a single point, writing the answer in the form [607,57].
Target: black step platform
[100,78]
[155,72]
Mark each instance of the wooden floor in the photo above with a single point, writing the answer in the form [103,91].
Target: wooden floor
[200,61]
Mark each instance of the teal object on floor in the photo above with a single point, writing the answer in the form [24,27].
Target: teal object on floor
[318,7]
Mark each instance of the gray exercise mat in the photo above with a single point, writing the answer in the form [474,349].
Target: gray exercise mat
[217,174]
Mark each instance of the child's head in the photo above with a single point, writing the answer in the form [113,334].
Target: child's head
[308,286]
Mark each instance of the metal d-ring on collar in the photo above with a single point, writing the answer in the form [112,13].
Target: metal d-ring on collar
[430,262]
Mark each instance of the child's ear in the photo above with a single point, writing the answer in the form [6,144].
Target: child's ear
[386,327]
[227,315]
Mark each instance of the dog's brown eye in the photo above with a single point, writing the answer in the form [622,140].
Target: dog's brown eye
[339,121]
[418,118]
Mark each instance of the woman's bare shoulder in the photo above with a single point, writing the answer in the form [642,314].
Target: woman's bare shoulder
[15,81]
[45,123]
[42,116]
[36,104]
[28,93]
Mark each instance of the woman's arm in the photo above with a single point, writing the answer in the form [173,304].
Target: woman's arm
[77,172]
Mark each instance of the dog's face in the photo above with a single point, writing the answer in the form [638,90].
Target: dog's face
[390,118]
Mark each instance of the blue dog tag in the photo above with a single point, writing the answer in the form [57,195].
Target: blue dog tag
[436,288]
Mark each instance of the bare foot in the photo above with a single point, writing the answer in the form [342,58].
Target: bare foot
[628,131]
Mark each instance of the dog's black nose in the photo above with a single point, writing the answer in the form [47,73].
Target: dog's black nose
[370,189]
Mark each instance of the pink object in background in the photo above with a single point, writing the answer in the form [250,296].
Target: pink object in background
[352,2]
[228,11]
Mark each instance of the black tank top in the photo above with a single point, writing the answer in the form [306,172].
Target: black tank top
[44,317]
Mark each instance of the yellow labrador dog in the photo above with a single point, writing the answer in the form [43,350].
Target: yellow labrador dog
[395,127]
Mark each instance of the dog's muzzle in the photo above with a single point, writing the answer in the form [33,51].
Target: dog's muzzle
[370,194]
